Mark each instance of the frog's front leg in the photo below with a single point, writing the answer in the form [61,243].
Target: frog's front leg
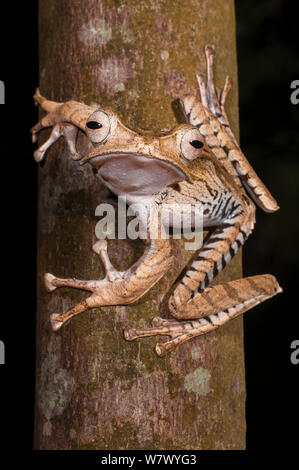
[65,118]
[225,302]
[68,131]
[208,114]
[212,97]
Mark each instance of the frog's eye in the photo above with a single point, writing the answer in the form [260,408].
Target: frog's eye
[98,127]
[191,144]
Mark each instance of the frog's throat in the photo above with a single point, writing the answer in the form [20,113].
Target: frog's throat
[136,173]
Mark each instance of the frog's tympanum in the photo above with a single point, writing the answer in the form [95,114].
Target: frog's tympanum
[197,163]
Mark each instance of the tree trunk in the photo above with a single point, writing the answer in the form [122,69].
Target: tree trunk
[94,389]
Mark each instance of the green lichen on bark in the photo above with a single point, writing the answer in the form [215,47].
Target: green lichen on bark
[137,58]
[198,381]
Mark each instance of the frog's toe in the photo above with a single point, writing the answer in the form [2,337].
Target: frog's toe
[48,280]
[38,155]
[99,246]
[56,322]
[76,156]
[130,334]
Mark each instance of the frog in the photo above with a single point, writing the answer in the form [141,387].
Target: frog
[198,163]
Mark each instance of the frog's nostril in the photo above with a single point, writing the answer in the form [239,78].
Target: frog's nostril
[93,125]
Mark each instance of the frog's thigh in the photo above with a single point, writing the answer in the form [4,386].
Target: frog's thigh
[225,301]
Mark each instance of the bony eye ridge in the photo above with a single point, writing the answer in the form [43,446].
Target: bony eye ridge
[196,144]
[94,125]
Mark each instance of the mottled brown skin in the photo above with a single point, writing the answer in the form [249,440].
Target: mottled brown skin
[199,163]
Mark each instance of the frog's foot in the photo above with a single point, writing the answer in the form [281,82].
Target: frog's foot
[238,297]
[103,291]
[211,96]
[65,118]
[96,299]
[101,249]
[38,98]
[57,320]
[179,331]
[48,278]
[52,282]
[59,130]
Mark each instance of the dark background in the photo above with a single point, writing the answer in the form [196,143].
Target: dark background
[268,61]
[268,56]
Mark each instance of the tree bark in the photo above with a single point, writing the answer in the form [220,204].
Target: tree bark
[94,390]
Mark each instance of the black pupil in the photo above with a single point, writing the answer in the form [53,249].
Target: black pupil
[196,144]
[94,125]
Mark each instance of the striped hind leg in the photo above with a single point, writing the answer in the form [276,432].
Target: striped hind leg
[218,250]
[214,307]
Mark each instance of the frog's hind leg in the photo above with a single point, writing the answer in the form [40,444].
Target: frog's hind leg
[94,286]
[52,282]
[101,249]
[214,307]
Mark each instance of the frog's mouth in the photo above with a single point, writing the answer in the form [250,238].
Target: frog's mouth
[138,174]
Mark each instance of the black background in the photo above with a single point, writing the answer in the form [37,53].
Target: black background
[268,58]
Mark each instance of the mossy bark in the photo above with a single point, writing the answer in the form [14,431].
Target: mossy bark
[94,390]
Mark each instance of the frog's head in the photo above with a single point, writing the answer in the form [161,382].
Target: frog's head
[140,163]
